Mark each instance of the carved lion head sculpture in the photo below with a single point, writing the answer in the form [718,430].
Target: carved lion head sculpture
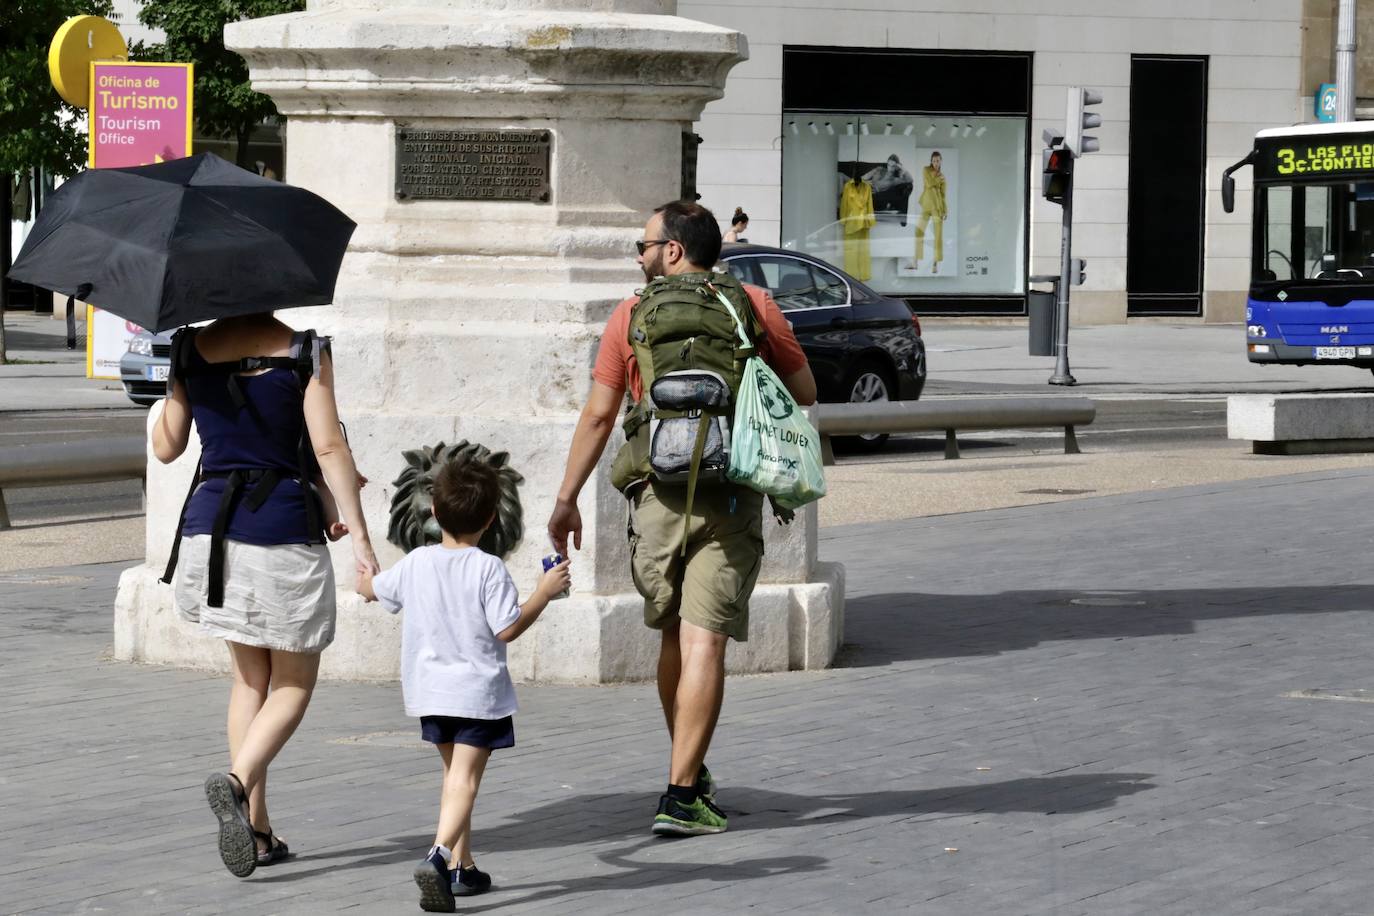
[412,517]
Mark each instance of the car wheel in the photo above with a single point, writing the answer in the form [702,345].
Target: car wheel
[864,385]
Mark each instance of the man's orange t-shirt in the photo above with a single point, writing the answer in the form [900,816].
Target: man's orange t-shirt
[616,366]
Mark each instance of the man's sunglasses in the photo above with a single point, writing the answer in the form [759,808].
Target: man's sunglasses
[641,246]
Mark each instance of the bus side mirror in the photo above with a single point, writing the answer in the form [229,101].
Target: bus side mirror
[1228,193]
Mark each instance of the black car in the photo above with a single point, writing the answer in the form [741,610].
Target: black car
[861,346]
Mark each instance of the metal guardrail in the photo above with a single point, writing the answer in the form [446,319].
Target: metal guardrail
[950,415]
[58,464]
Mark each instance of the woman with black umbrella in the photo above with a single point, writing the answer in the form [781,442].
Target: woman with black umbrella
[191,240]
[254,569]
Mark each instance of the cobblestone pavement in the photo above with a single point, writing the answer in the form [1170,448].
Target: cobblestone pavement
[1080,708]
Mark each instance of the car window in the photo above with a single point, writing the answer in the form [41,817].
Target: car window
[830,289]
[743,270]
[790,281]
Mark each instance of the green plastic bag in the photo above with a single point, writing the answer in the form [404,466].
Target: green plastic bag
[773,447]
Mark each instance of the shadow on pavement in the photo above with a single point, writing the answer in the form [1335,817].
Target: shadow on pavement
[391,851]
[617,816]
[895,627]
[642,874]
[52,338]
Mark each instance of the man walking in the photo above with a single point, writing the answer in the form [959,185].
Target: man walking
[695,555]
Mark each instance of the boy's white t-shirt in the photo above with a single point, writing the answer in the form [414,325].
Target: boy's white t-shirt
[456,601]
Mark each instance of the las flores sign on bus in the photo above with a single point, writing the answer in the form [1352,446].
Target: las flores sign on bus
[1316,158]
[140,113]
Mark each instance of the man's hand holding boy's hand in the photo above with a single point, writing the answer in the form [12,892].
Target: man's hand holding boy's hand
[555,582]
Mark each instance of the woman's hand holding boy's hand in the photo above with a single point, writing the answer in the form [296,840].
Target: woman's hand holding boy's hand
[555,582]
[364,586]
[364,559]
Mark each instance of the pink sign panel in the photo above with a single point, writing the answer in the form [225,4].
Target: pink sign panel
[139,114]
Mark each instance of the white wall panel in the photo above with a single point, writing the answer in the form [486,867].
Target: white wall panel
[1254,53]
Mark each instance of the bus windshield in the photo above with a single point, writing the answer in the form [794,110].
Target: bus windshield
[1315,232]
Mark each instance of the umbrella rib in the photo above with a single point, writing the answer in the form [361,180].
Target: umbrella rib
[245,217]
[97,212]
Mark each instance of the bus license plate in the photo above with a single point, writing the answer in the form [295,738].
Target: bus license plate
[1333,352]
[159,373]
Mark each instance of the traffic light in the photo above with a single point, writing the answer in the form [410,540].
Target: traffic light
[1057,174]
[1078,271]
[1076,120]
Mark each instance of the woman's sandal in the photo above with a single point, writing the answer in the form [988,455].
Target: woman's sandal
[229,803]
[276,847]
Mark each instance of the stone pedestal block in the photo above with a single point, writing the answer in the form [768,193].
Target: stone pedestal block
[1302,423]
[479,319]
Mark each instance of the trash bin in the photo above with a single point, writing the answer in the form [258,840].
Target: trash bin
[1040,306]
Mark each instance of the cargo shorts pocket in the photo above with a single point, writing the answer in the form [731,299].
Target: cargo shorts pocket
[650,562]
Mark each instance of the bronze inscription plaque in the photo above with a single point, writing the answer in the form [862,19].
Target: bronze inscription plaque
[510,165]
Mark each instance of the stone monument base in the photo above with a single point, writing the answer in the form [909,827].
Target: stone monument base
[578,640]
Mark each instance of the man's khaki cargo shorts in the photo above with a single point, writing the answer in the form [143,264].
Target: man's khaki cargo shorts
[710,586]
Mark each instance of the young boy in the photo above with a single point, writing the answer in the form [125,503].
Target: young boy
[461,609]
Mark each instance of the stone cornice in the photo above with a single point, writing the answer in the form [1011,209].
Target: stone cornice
[466,63]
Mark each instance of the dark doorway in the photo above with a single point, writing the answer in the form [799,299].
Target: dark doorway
[1168,150]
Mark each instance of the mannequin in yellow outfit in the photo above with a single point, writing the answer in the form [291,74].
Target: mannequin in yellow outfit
[933,207]
[856,218]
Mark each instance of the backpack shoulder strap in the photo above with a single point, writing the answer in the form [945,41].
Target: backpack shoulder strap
[182,346]
[307,347]
[739,294]
[639,344]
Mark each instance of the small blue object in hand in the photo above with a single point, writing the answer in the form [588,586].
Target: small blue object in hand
[550,562]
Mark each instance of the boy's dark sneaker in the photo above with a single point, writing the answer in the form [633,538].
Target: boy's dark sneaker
[432,878]
[675,818]
[469,880]
[706,784]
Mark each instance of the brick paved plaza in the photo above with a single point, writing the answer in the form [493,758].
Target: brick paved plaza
[1083,707]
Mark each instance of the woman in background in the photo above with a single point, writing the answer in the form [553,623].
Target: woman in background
[738,224]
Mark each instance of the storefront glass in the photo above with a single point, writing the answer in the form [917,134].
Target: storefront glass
[911,205]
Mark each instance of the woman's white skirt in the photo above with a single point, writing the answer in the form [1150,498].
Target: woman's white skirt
[278,597]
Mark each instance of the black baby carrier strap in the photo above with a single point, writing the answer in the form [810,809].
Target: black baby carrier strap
[305,349]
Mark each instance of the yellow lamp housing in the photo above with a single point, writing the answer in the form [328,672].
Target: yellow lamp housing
[80,40]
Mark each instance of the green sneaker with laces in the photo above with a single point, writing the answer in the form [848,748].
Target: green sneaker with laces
[677,819]
[706,783]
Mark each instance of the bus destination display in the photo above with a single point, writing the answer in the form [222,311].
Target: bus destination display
[1326,157]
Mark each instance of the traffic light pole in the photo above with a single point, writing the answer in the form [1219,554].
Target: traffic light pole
[1061,311]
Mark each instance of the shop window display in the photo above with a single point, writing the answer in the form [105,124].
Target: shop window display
[913,206]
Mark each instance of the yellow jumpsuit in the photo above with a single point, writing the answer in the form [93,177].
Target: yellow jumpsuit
[856,218]
[932,207]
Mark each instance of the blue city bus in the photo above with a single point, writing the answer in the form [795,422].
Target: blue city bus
[1311,295]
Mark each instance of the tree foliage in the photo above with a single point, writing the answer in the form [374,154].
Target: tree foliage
[225,103]
[37,128]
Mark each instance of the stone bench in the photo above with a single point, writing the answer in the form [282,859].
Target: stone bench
[1302,424]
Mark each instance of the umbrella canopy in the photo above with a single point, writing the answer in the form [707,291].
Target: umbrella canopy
[184,241]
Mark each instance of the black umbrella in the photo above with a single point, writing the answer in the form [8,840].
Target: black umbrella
[183,241]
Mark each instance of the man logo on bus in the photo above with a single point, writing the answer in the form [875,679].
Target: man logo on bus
[1335,329]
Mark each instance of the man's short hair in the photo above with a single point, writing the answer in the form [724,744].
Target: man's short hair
[466,494]
[694,228]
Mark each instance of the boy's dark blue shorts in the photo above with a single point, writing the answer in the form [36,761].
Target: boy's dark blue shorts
[488,733]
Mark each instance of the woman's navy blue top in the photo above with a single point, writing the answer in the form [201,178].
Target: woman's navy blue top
[232,438]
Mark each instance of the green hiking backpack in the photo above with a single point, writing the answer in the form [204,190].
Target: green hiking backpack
[691,361]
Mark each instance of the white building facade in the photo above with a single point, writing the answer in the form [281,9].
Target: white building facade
[869,93]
